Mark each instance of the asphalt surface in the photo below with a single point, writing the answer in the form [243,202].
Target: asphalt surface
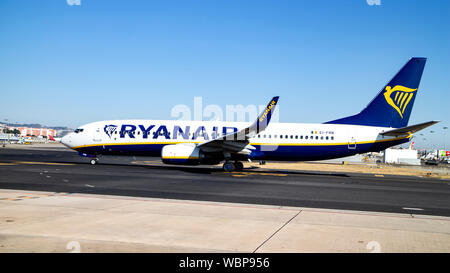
[60,170]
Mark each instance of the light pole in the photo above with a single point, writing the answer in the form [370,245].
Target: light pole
[445,138]
[431,133]
[422,139]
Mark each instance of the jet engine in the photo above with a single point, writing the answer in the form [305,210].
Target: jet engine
[188,154]
[184,154]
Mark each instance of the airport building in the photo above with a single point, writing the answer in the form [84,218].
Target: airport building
[27,131]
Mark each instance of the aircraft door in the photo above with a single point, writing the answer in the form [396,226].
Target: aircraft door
[352,143]
[97,137]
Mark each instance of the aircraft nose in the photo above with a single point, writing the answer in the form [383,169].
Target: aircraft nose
[67,140]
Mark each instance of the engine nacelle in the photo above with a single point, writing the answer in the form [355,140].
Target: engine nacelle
[184,154]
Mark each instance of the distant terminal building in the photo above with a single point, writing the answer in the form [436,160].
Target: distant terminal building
[27,131]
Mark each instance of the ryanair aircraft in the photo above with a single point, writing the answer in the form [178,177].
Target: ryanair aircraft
[382,124]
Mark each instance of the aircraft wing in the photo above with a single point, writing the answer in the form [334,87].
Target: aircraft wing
[238,141]
[409,129]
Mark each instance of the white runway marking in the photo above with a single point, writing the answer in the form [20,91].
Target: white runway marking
[412,209]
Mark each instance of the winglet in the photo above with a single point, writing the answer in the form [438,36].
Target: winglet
[264,118]
[258,126]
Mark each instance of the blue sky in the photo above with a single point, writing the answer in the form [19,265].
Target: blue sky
[70,65]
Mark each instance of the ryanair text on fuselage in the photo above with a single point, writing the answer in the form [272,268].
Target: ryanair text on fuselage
[178,132]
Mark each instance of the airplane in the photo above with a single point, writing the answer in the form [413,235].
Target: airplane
[382,124]
[56,139]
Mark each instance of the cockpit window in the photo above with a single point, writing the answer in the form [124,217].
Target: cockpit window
[78,130]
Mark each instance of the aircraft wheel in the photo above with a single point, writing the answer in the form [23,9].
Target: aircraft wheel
[239,166]
[94,161]
[228,166]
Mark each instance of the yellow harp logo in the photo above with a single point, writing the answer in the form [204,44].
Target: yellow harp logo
[402,96]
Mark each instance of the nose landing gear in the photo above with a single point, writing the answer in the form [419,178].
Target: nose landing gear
[94,161]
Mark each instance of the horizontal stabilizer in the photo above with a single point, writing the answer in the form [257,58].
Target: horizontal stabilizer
[408,129]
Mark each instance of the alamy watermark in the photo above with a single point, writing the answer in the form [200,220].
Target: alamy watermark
[231,113]
[74,246]
[373,2]
[373,247]
[214,112]
[73,2]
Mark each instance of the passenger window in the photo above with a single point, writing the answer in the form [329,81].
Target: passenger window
[296,137]
[270,136]
[306,137]
[281,136]
[326,138]
[301,137]
[317,137]
[264,136]
[292,136]
[321,137]
[332,138]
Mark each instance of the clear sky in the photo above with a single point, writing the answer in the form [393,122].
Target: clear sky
[67,65]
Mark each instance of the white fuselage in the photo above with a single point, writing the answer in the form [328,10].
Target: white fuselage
[279,141]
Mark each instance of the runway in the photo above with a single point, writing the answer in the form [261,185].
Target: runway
[60,170]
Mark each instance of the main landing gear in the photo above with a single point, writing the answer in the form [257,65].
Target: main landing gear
[229,166]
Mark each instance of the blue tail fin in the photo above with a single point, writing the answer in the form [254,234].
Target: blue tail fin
[392,106]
